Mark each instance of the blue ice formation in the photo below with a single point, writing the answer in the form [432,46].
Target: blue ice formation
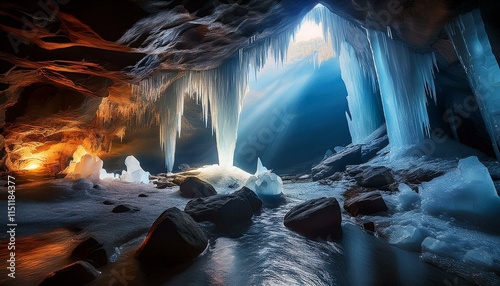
[405,79]
[220,91]
[264,182]
[350,43]
[473,47]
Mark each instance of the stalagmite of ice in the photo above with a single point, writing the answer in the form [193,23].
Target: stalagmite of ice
[350,42]
[405,78]
[473,47]
[264,182]
[467,192]
[84,165]
[134,171]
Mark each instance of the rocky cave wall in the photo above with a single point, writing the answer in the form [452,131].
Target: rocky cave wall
[61,58]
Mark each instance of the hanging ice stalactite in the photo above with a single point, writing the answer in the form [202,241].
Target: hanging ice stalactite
[350,43]
[171,107]
[474,50]
[405,78]
[363,100]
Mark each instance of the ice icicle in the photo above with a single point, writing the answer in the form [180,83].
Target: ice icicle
[364,103]
[474,50]
[171,106]
[220,92]
[350,42]
[405,77]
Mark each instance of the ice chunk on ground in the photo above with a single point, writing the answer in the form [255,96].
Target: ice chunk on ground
[479,256]
[466,192]
[264,182]
[84,165]
[407,198]
[134,171]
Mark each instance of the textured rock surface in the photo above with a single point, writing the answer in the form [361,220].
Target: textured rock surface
[365,204]
[337,162]
[78,273]
[193,187]
[224,211]
[315,217]
[173,238]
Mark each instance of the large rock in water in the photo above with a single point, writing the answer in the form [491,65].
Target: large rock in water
[375,177]
[365,204]
[193,187]
[318,217]
[251,198]
[174,238]
[78,273]
[351,155]
[224,211]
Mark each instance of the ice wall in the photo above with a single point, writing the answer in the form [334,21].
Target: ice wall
[405,79]
[473,47]
[351,44]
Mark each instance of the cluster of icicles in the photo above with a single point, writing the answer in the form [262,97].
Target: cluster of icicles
[386,82]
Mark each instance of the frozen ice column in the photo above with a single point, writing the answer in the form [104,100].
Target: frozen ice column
[474,50]
[405,78]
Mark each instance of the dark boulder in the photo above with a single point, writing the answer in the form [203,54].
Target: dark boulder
[78,273]
[142,196]
[351,155]
[251,198]
[365,204]
[125,208]
[224,211]
[375,177]
[193,187]
[92,251]
[318,217]
[173,238]
[369,226]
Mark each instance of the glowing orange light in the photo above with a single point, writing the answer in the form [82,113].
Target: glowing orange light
[32,166]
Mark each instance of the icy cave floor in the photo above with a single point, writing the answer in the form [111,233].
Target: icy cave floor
[410,246]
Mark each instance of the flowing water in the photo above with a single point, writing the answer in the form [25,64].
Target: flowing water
[267,253]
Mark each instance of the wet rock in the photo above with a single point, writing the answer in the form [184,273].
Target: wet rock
[78,273]
[173,238]
[351,155]
[250,197]
[83,184]
[108,202]
[225,211]
[369,226]
[142,196]
[193,187]
[318,217]
[90,250]
[375,177]
[365,204]
[125,208]
[164,185]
